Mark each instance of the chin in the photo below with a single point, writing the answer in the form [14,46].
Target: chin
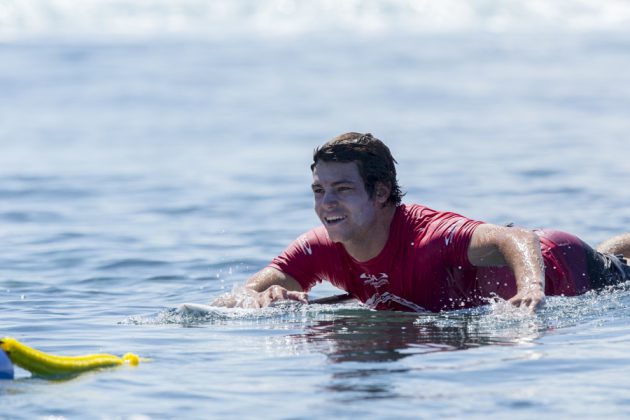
[336,237]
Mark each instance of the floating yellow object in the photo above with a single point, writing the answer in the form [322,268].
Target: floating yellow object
[40,363]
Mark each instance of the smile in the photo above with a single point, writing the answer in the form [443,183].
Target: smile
[334,219]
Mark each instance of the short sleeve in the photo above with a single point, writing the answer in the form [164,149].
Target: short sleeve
[304,258]
[451,234]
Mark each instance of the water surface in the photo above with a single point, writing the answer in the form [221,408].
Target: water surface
[138,173]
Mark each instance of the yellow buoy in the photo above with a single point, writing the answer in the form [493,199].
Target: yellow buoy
[44,364]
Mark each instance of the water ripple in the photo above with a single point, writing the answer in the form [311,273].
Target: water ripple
[31,216]
[132,263]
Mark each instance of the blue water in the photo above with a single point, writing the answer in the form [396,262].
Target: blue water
[141,169]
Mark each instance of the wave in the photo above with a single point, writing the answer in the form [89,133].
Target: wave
[28,19]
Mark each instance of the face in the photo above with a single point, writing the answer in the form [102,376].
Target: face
[342,203]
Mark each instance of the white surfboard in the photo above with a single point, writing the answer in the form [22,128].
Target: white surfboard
[196,309]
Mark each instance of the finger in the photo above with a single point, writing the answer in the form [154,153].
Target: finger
[519,302]
[515,301]
[284,294]
[299,296]
[277,292]
[266,297]
[531,304]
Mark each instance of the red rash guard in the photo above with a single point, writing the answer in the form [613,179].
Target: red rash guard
[424,265]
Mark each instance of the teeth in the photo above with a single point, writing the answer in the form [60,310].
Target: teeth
[334,219]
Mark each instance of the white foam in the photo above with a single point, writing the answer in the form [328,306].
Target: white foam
[23,19]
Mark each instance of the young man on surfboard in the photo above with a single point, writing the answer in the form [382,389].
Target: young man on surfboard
[394,256]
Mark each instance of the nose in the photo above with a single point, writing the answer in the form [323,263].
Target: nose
[329,199]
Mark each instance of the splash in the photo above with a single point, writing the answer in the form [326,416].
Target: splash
[502,323]
[499,322]
[193,314]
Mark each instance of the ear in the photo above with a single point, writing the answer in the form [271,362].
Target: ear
[381,192]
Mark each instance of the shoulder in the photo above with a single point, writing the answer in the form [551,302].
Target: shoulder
[421,216]
[306,258]
[420,213]
[431,224]
[314,242]
[416,211]
[309,248]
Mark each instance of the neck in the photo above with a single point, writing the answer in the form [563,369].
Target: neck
[373,242]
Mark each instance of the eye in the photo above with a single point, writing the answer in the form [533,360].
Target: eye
[318,190]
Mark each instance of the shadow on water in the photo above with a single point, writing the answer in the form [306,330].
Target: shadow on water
[360,335]
[365,348]
[366,336]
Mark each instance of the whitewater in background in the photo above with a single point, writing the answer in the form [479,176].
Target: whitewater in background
[23,19]
[157,152]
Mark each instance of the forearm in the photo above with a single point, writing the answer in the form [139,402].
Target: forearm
[523,255]
[519,249]
[268,277]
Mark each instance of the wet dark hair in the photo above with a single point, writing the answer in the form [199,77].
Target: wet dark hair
[372,156]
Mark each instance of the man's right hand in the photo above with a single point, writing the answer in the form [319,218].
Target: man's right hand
[273,294]
[263,288]
[245,297]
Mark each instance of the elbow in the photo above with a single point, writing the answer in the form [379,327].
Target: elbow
[530,237]
[524,241]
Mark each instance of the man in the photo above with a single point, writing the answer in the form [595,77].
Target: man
[393,256]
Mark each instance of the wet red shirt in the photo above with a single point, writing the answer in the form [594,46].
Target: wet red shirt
[423,266]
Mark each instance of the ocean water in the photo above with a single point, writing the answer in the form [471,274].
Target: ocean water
[156,153]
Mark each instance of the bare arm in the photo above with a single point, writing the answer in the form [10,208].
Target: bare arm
[493,245]
[268,277]
[263,288]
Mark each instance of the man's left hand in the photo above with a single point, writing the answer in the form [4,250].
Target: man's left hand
[531,298]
